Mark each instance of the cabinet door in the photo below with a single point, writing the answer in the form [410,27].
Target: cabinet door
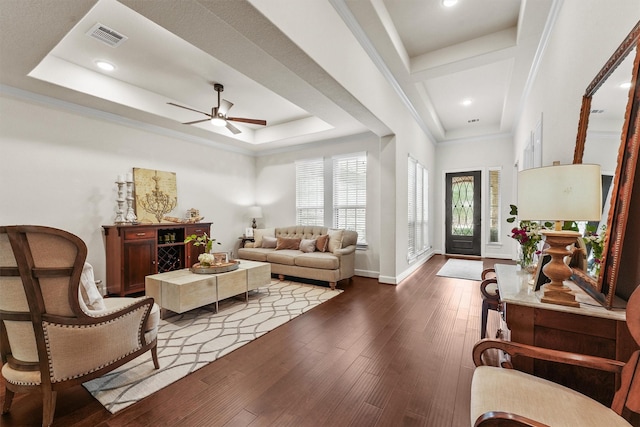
[192,252]
[139,261]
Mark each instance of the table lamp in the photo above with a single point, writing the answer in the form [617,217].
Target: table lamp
[255,212]
[559,193]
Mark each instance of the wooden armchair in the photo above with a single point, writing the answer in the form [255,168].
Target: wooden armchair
[501,397]
[49,340]
[490,297]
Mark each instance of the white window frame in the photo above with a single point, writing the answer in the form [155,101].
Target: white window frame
[311,180]
[349,193]
[498,208]
[417,209]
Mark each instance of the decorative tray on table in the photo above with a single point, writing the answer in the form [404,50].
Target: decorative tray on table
[216,268]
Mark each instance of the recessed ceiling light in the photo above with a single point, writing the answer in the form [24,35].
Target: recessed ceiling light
[467,102]
[449,3]
[106,66]
[625,85]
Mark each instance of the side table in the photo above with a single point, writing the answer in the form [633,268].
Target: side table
[588,329]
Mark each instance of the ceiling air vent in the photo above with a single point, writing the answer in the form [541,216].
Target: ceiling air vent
[106,35]
[473,120]
[597,111]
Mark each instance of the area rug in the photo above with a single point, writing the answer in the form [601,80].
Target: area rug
[189,341]
[461,269]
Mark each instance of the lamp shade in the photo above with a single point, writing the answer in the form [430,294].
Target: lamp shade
[560,193]
[255,212]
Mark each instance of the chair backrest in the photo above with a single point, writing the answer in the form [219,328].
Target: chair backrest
[628,395]
[40,270]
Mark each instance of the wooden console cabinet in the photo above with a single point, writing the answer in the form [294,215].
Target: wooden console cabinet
[588,329]
[136,251]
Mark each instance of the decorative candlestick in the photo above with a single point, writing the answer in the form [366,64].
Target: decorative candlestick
[120,219]
[131,215]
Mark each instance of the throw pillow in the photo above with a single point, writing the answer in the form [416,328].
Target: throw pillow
[89,291]
[269,242]
[259,233]
[308,245]
[335,239]
[321,243]
[287,243]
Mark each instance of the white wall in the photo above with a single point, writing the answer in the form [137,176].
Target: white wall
[585,35]
[58,168]
[478,154]
[276,190]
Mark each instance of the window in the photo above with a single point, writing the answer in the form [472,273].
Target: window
[339,200]
[494,206]
[310,192]
[418,238]
[350,193]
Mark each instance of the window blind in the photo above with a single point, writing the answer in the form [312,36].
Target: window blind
[310,192]
[350,193]
[417,209]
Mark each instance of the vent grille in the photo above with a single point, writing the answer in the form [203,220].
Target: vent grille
[597,111]
[106,35]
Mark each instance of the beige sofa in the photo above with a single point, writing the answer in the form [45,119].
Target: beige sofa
[308,252]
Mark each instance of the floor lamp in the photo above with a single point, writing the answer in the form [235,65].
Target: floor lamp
[560,193]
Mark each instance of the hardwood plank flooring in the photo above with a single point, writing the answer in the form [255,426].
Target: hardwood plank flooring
[377,355]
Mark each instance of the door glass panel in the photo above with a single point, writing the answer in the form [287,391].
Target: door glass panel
[462,206]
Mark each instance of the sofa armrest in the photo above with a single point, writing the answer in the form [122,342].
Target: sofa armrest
[345,251]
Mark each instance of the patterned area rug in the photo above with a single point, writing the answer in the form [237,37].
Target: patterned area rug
[462,269]
[189,341]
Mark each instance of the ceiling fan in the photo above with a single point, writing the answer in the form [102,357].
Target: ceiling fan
[218,116]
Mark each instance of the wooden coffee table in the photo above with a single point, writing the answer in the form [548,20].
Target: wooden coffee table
[181,290]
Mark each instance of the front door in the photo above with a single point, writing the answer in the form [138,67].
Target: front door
[462,216]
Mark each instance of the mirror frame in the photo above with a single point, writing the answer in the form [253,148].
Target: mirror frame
[603,289]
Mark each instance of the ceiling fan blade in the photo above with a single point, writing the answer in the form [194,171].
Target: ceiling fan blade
[224,107]
[252,121]
[233,129]
[197,121]
[190,109]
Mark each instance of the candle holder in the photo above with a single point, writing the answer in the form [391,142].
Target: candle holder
[131,215]
[120,219]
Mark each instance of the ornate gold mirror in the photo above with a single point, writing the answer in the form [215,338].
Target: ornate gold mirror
[609,135]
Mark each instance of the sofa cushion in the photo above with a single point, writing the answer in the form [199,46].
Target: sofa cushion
[269,242]
[308,245]
[335,239]
[322,242]
[259,233]
[285,256]
[324,261]
[287,243]
[254,254]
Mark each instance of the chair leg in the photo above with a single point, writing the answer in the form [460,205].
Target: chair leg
[48,406]
[154,356]
[485,315]
[8,398]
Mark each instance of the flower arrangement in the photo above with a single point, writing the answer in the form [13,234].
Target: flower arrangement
[527,233]
[596,241]
[206,259]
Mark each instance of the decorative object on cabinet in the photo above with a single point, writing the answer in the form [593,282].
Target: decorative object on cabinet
[156,194]
[621,254]
[255,212]
[502,396]
[559,193]
[51,339]
[131,215]
[136,251]
[120,214]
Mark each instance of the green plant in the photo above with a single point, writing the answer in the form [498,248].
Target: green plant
[202,240]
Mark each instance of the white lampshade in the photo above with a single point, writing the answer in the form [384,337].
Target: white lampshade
[255,212]
[560,193]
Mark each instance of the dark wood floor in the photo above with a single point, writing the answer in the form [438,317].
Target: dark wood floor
[377,355]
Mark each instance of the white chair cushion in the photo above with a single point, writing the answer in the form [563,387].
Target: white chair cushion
[89,293]
[508,390]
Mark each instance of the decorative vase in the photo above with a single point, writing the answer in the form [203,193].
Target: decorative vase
[527,259]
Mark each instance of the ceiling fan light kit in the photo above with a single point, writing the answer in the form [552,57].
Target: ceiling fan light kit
[218,116]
